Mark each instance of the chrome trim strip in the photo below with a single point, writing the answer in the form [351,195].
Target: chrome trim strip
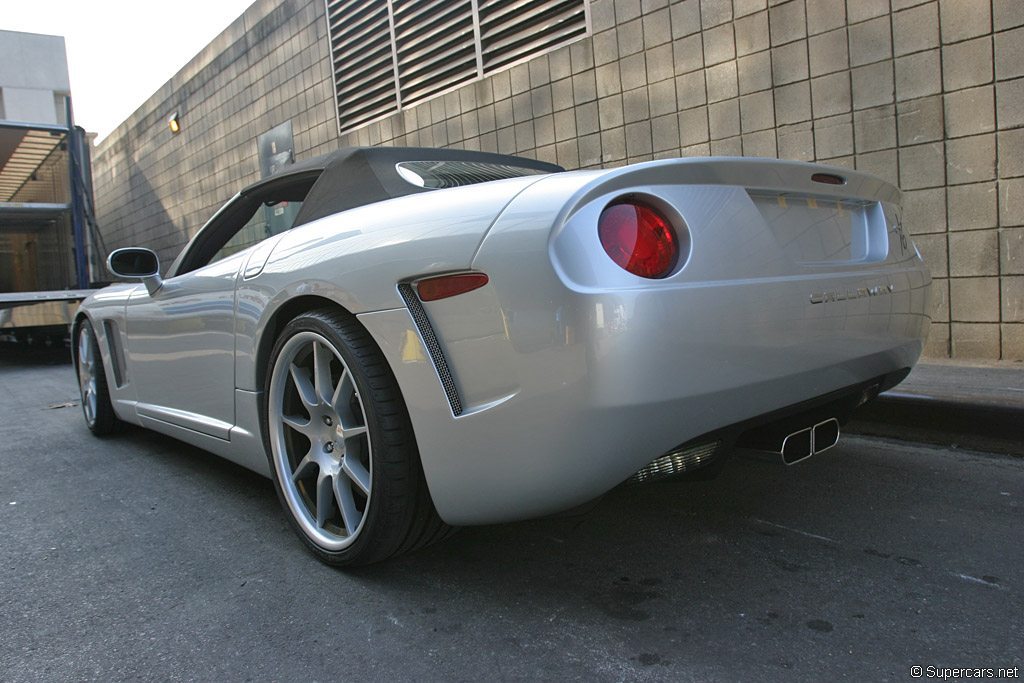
[182,418]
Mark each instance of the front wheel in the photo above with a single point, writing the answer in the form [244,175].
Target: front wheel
[341,446]
[92,382]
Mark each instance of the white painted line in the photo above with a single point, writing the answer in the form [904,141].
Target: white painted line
[796,531]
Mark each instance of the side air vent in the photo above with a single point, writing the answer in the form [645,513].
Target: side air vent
[419,316]
[113,335]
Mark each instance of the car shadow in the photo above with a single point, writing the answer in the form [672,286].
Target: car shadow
[189,459]
[761,537]
[765,555]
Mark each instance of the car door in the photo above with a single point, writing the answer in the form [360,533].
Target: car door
[181,339]
[181,347]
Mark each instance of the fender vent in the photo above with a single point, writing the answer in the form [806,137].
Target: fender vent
[426,331]
[113,335]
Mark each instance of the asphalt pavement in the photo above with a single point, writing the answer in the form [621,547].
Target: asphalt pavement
[140,558]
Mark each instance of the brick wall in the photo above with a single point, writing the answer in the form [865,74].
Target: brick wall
[928,94]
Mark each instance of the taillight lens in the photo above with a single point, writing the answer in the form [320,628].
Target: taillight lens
[444,286]
[638,238]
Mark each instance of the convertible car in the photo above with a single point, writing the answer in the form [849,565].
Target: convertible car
[406,340]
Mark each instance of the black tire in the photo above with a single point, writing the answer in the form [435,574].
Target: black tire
[398,515]
[89,366]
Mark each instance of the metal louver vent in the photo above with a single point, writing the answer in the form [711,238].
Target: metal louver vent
[511,30]
[678,461]
[435,45]
[388,54]
[361,54]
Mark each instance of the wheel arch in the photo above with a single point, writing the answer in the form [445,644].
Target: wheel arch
[76,324]
[104,420]
[409,517]
[282,315]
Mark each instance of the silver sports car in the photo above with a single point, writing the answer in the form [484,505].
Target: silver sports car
[410,339]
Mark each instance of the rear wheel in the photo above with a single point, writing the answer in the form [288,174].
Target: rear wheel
[341,446]
[92,382]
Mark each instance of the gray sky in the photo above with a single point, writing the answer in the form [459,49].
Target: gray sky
[121,51]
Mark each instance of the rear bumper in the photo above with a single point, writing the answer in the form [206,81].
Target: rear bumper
[568,395]
[573,374]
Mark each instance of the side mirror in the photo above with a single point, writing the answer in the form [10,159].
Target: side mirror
[135,263]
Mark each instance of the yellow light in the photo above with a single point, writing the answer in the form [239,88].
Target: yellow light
[173,123]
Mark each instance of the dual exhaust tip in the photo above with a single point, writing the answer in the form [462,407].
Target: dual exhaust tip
[793,446]
[807,442]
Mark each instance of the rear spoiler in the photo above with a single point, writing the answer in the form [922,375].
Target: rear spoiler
[796,178]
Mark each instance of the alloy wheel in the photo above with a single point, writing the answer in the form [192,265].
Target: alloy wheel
[87,372]
[320,442]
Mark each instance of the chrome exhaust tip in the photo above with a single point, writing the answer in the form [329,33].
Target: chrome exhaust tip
[793,446]
[801,445]
[798,446]
[826,435]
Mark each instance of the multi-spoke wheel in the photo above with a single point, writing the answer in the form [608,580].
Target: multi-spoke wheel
[92,382]
[340,444]
[322,452]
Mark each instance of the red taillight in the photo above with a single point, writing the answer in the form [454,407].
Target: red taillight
[444,286]
[638,238]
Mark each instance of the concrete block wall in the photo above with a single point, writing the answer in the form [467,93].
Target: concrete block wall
[926,93]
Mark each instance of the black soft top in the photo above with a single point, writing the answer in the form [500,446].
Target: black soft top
[357,176]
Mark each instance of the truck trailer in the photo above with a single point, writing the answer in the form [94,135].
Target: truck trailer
[45,218]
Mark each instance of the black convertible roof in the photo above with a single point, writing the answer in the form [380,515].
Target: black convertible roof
[357,176]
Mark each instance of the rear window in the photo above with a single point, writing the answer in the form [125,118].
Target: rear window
[438,175]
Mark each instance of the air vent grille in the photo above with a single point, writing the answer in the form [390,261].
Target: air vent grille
[511,30]
[389,54]
[426,330]
[677,462]
[361,54]
[435,46]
